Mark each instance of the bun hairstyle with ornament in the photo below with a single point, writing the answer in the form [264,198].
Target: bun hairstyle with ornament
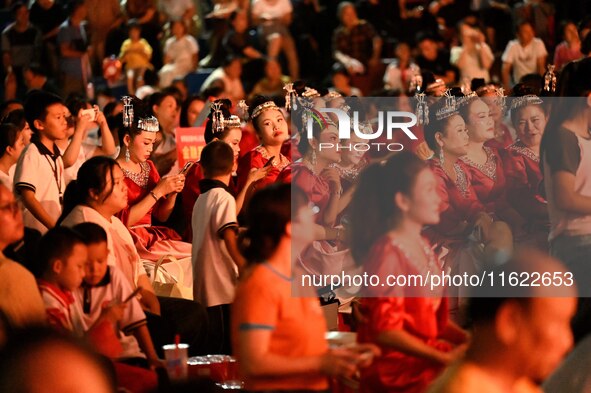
[136,118]
[220,121]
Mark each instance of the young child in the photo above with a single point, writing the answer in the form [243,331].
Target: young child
[39,174]
[64,258]
[135,52]
[104,285]
[215,255]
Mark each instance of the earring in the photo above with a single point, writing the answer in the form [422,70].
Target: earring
[313,158]
[127,155]
[441,158]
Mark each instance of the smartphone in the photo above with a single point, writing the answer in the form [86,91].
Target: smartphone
[186,168]
[133,294]
[91,113]
[270,162]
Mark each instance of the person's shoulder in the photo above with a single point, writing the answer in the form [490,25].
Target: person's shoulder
[8,29]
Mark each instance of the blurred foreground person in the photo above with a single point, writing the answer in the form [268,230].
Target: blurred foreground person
[517,340]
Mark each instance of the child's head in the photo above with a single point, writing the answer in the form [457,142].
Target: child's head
[95,239]
[62,257]
[217,159]
[134,29]
[12,141]
[45,113]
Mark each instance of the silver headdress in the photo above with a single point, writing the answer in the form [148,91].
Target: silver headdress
[291,97]
[218,117]
[422,110]
[149,124]
[449,108]
[127,111]
[550,79]
[263,107]
[520,102]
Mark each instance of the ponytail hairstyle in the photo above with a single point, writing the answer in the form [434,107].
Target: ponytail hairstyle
[269,211]
[373,209]
[92,176]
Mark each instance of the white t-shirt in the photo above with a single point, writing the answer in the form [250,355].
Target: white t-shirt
[472,68]
[233,89]
[215,274]
[8,179]
[524,59]
[42,171]
[90,301]
[122,251]
[175,9]
[272,9]
[181,52]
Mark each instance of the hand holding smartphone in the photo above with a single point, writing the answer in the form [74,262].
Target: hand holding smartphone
[186,168]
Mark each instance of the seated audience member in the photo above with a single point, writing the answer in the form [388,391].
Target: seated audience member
[276,351]
[191,111]
[149,196]
[433,59]
[228,78]
[20,300]
[12,144]
[135,53]
[29,353]
[524,55]
[35,78]
[63,260]
[341,82]
[569,49]
[517,340]
[97,196]
[473,57]
[273,18]
[230,133]
[180,54]
[215,254]
[272,131]
[272,83]
[400,72]
[355,42]
[38,180]
[165,107]
[82,137]
[17,117]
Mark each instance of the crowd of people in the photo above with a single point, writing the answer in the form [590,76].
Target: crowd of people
[98,220]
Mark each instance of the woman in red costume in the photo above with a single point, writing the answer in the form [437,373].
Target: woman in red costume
[148,195]
[522,169]
[410,325]
[272,130]
[227,128]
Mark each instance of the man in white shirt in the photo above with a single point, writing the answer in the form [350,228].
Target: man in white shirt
[524,55]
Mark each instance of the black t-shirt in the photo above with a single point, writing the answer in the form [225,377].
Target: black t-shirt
[562,151]
[47,20]
[439,66]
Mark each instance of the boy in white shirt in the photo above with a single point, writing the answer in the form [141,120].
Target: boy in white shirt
[215,255]
[39,175]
